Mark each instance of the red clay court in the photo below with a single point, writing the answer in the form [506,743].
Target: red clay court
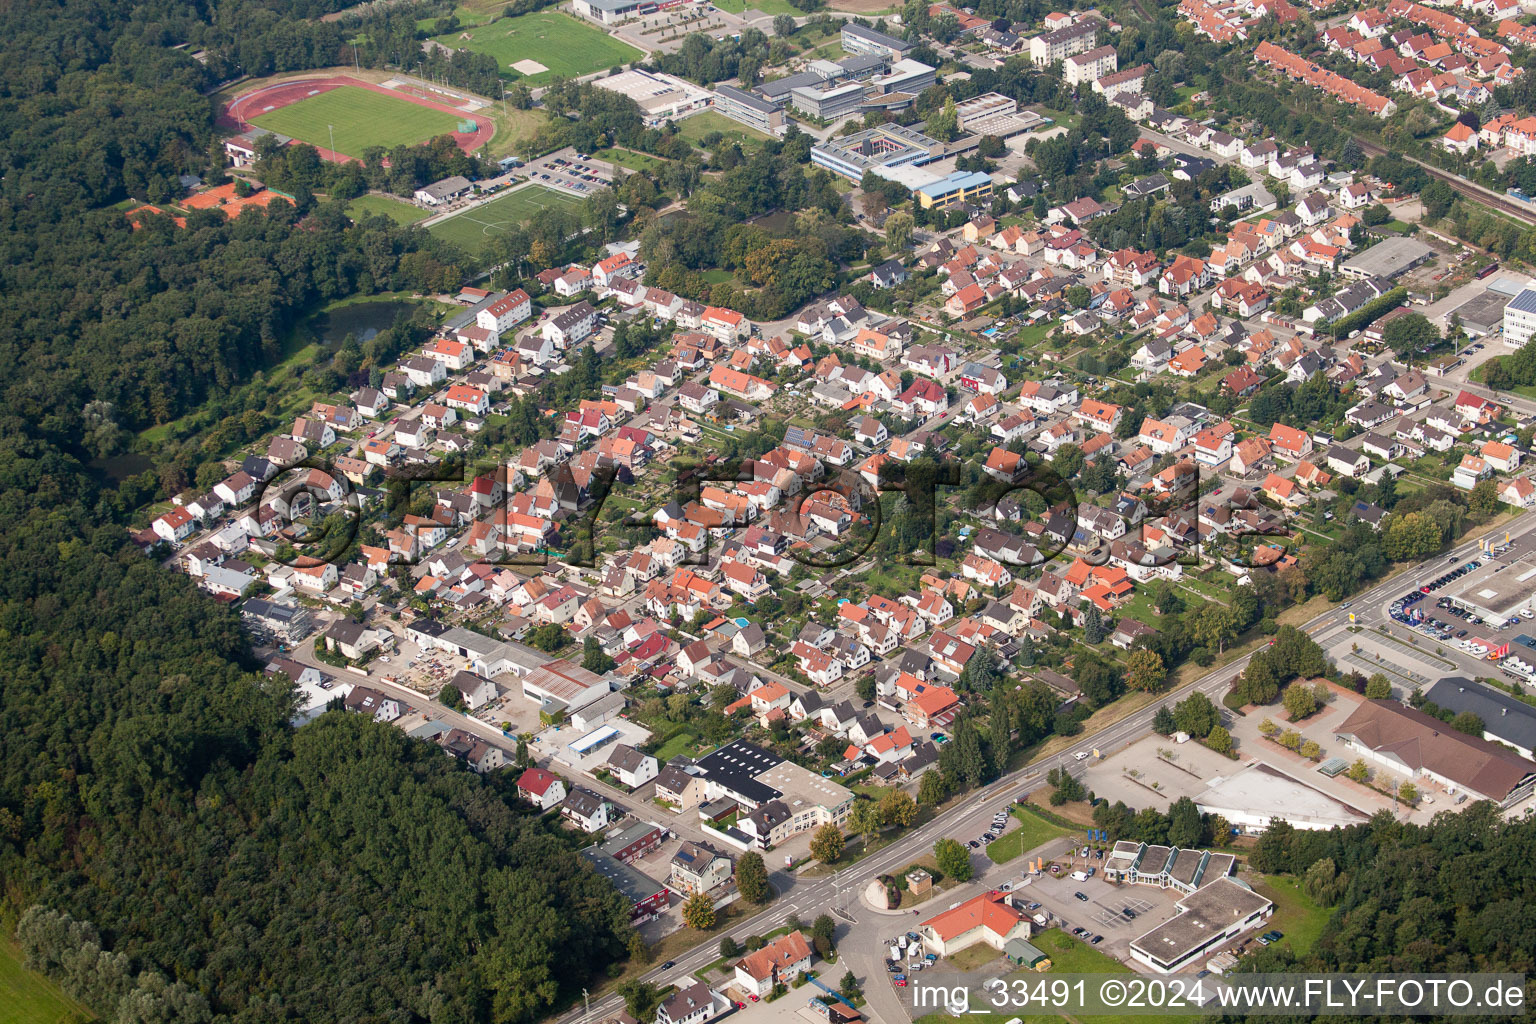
[365,115]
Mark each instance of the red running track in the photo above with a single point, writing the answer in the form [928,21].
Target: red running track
[237,113]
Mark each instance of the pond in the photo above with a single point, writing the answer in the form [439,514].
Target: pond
[118,468]
[361,319]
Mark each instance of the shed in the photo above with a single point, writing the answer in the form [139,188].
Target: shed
[1026,954]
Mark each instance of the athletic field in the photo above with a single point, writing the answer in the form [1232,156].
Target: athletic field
[558,41]
[473,228]
[360,117]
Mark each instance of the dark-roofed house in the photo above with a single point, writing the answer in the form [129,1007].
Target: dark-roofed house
[478,691]
[1412,743]
[692,1003]
[697,867]
[632,767]
[586,809]
[1506,719]
[368,701]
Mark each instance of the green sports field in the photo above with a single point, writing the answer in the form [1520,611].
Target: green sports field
[361,118]
[558,41]
[471,229]
[397,210]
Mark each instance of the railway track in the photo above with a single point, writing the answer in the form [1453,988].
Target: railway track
[1488,197]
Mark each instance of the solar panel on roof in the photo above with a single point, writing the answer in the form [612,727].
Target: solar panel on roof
[1525,302]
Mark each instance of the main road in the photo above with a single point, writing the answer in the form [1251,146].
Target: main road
[808,896]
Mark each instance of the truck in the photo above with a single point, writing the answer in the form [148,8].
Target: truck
[1079,876]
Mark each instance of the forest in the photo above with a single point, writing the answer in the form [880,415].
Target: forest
[174,849]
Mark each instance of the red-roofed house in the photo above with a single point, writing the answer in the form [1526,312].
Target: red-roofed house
[986,918]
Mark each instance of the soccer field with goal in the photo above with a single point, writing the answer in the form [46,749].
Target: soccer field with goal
[472,229]
[360,117]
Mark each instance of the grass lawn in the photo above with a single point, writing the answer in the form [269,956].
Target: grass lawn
[397,210]
[977,956]
[562,44]
[718,276]
[29,998]
[471,228]
[634,161]
[1296,914]
[1034,831]
[766,6]
[696,126]
[1069,956]
[678,744]
[361,118]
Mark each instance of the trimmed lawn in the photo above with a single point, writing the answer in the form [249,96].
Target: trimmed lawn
[634,161]
[696,126]
[1069,956]
[766,6]
[29,998]
[1034,831]
[562,44]
[1296,913]
[678,744]
[397,210]
[472,228]
[360,117]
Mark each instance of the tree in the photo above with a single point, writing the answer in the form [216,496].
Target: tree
[1163,722]
[450,697]
[1359,771]
[784,26]
[953,859]
[1221,831]
[640,998]
[1409,334]
[1378,687]
[827,844]
[1322,882]
[933,789]
[1469,722]
[1144,671]
[1407,792]
[1299,702]
[864,686]
[752,878]
[898,808]
[849,986]
[823,933]
[593,658]
[699,912]
[1437,198]
[864,820]
[1094,628]
[728,947]
[1483,502]
[1196,715]
[944,124]
[1220,740]
[1310,750]
[898,229]
[1185,827]
[1213,626]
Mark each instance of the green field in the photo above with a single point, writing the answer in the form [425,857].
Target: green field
[696,126]
[634,161]
[558,41]
[766,6]
[29,998]
[470,229]
[1296,913]
[397,210]
[360,117]
[1034,831]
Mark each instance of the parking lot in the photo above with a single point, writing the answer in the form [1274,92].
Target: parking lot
[570,171]
[1102,914]
[1155,771]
